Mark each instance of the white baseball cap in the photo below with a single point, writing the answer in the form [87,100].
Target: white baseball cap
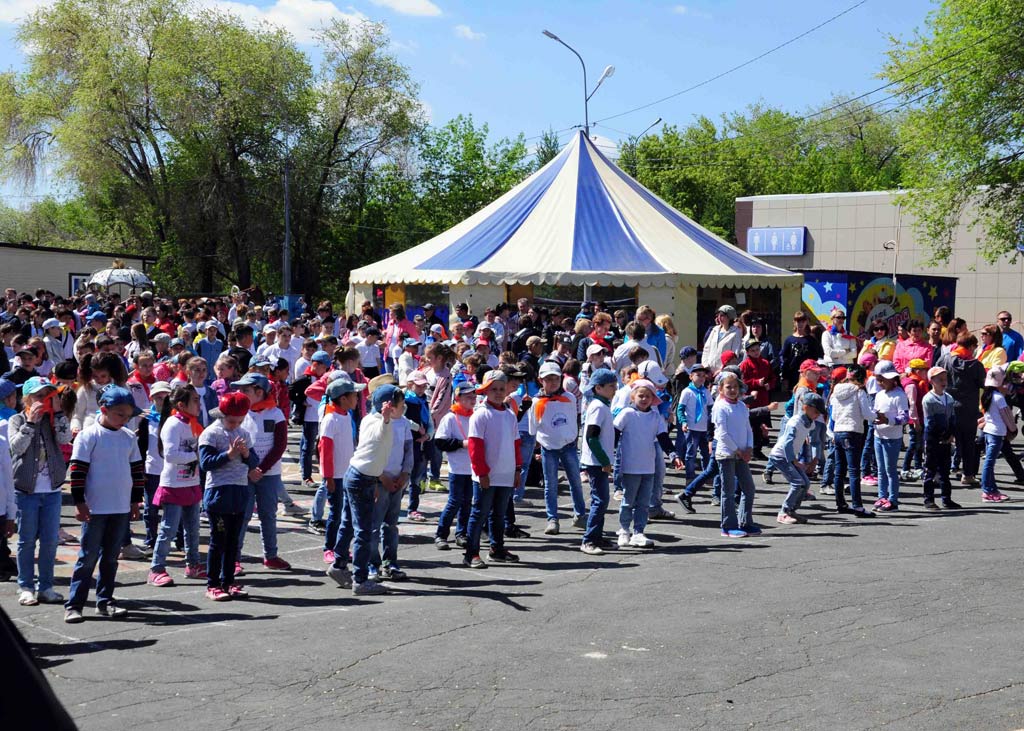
[652,372]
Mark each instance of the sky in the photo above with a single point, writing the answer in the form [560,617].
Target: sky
[490,59]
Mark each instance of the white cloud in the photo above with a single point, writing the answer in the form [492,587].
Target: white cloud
[302,18]
[467,33]
[15,11]
[409,7]
[690,11]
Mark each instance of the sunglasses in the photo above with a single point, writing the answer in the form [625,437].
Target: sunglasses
[839,317]
[1005,319]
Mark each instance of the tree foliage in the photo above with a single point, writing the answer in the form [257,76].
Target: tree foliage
[702,168]
[963,80]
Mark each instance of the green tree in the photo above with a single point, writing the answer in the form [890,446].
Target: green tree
[547,148]
[964,130]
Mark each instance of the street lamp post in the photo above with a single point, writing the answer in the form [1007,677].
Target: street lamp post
[608,71]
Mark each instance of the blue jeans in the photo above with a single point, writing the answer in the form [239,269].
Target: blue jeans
[151,512]
[488,507]
[174,515]
[307,447]
[654,503]
[848,447]
[335,509]
[569,459]
[356,524]
[797,479]
[887,456]
[710,472]
[384,530]
[460,503]
[316,510]
[868,463]
[38,521]
[263,499]
[828,473]
[696,442]
[100,542]
[527,443]
[913,456]
[433,455]
[598,504]
[636,497]
[736,473]
[993,445]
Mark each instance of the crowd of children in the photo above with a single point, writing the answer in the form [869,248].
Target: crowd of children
[177,414]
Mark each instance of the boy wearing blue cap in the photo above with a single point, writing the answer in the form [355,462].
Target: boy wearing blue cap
[598,446]
[319,364]
[801,428]
[337,445]
[107,480]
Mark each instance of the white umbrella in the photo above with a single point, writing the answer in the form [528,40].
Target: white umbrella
[119,274]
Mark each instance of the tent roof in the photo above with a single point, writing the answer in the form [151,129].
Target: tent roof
[578,220]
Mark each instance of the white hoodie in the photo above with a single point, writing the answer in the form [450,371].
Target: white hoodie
[851,407]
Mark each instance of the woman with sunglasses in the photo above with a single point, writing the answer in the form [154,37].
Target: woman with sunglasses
[797,348]
[840,346]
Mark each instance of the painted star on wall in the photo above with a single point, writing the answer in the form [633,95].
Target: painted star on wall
[933,293]
[828,286]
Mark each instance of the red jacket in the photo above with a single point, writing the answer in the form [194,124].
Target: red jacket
[753,371]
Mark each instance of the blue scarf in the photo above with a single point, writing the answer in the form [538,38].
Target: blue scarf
[701,401]
[153,415]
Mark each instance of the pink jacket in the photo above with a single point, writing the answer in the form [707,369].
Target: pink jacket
[406,328]
[907,350]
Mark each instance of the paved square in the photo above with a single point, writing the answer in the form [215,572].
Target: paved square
[907,621]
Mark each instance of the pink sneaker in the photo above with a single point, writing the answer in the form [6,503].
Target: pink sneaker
[417,517]
[994,497]
[786,519]
[239,571]
[328,556]
[195,572]
[879,502]
[217,594]
[869,480]
[276,563]
[237,591]
[160,578]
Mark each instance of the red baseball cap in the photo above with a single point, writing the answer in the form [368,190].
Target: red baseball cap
[728,355]
[809,365]
[233,404]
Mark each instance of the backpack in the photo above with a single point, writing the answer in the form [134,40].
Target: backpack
[297,395]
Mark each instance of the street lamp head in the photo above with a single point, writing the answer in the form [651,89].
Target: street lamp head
[608,72]
[551,35]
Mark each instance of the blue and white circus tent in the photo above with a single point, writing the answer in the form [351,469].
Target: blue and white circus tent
[579,220]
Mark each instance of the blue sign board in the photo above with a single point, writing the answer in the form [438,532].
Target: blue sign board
[771,241]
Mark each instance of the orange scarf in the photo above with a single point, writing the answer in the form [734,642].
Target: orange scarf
[331,409]
[458,409]
[193,422]
[47,408]
[962,353]
[541,403]
[268,403]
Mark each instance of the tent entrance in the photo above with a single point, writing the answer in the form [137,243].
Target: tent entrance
[571,297]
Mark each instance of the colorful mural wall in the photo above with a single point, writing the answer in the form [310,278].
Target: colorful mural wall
[867,297]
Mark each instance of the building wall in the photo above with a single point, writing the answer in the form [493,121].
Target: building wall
[845,231]
[29,268]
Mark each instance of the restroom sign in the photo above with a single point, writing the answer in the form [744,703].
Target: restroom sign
[773,241]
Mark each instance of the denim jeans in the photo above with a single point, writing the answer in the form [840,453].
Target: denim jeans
[636,498]
[488,506]
[307,447]
[828,472]
[868,464]
[175,515]
[569,459]
[993,445]
[936,468]
[654,503]
[527,443]
[460,503]
[38,521]
[736,474]
[263,499]
[696,442]
[223,550]
[316,510]
[433,456]
[797,479]
[356,524]
[710,472]
[887,456]
[912,459]
[384,529]
[151,512]
[598,504]
[848,447]
[335,509]
[100,542]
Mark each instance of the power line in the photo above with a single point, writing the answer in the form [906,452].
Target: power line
[737,67]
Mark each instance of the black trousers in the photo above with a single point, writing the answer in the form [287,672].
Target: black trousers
[966,436]
[937,460]
[223,551]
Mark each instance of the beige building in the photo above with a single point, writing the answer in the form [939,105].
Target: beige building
[62,271]
[848,231]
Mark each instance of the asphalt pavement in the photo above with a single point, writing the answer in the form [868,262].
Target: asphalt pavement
[904,621]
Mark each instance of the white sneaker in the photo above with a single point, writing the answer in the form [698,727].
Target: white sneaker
[639,540]
[27,598]
[131,552]
[623,538]
[50,597]
[294,510]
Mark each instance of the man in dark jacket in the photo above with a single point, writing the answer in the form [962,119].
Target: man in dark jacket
[966,379]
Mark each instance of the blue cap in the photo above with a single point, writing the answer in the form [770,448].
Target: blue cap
[813,400]
[410,343]
[260,361]
[341,386]
[253,379]
[7,387]
[601,377]
[688,351]
[384,394]
[114,395]
[176,341]
[98,315]
[321,357]
[35,385]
